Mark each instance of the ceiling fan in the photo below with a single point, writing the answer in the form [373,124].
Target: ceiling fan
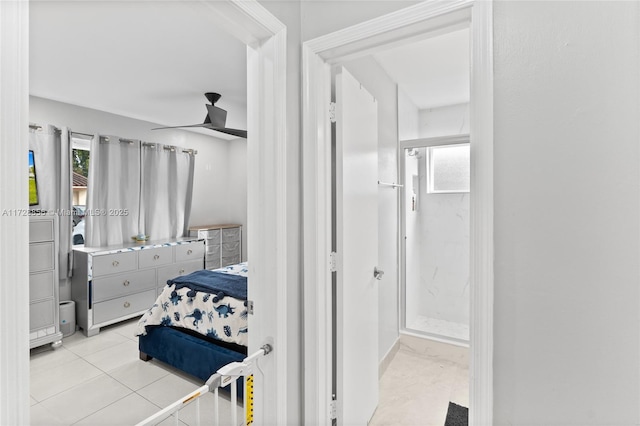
[215,119]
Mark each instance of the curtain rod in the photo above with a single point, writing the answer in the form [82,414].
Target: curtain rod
[86,135]
[169,147]
[39,127]
[35,126]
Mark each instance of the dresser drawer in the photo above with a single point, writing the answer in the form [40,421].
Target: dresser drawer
[41,315]
[230,260]
[213,263]
[176,270]
[230,235]
[41,230]
[191,251]
[123,306]
[41,256]
[210,234]
[213,250]
[230,249]
[41,285]
[121,284]
[158,256]
[115,263]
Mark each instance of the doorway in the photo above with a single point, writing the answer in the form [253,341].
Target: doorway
[268,236]
[358,41]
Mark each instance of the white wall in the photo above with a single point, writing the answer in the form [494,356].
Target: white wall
[237,187]
[219,188]
[368,72]
[444,121]
[567,212]
[408,117]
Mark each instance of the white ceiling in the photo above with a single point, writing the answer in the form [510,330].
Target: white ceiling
[150,60]
[433,72]
[154,60]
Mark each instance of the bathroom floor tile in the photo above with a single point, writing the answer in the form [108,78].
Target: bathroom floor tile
[419,382]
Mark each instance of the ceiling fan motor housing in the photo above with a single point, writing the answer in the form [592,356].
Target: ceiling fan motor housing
[212,97]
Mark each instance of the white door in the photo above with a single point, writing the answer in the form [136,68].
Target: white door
[356,222]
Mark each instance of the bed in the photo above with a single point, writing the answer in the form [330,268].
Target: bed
[199,322]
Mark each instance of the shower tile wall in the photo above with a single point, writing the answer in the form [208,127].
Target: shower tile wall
[437,257]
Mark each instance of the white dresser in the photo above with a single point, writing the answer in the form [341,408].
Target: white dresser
[223,244]
[111,284]
[44,323]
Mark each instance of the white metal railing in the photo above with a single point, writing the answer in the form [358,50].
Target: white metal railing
[228,374]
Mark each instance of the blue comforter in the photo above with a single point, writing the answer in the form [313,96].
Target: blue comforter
[217,283]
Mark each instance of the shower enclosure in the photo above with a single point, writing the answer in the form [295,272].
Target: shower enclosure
[435,243]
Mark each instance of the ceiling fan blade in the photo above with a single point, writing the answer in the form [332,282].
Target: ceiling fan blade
[178,127]
[215,119]
[234,132]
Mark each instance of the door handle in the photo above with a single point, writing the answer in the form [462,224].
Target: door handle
[377,273]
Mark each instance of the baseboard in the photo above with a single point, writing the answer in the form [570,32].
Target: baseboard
[436,338]
[386,360]
[423,346]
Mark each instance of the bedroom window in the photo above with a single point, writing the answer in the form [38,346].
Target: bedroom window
[80,173]
[448,169]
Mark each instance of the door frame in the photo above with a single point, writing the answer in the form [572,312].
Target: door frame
[266,37]
[317,56]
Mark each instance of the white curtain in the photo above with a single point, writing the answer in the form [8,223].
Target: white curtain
[113,193]
[52,155]
[167,186]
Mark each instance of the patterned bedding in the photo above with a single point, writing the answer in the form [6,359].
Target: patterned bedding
[223,318]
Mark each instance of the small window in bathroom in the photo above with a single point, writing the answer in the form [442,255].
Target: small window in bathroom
[448,169]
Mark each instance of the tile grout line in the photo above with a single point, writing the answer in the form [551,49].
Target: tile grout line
[103,408]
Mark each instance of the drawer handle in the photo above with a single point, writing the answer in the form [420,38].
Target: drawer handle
[181,271]
[126,283]
[115,263]
[189,251]
[127,304]
[156,257]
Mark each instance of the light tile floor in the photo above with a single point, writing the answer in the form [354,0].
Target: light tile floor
[419,382]
[101,381]
[439,327]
